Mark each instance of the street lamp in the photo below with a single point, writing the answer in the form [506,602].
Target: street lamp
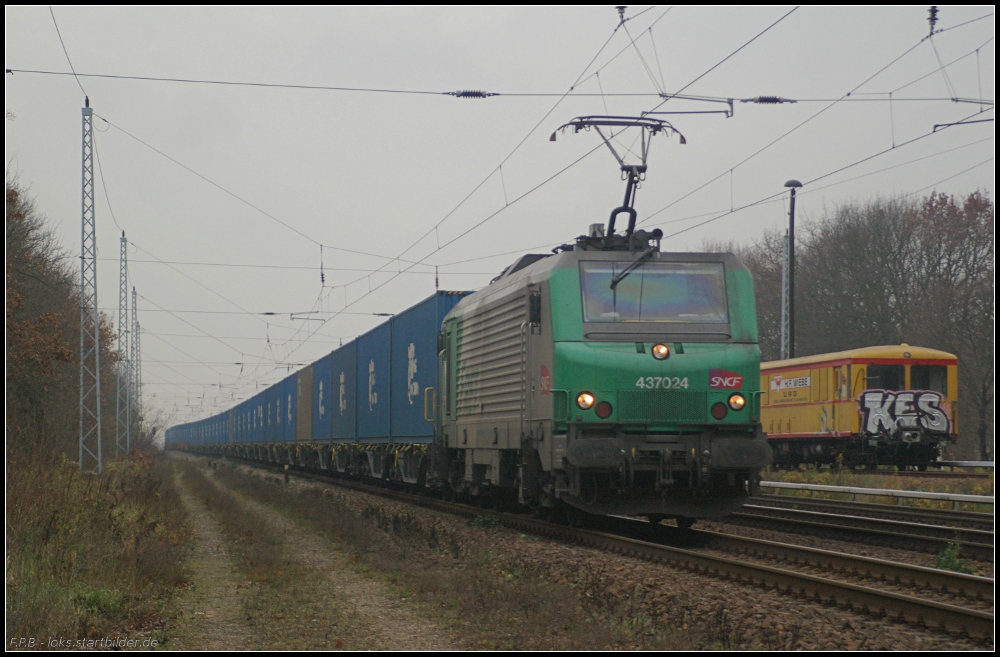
[793,185]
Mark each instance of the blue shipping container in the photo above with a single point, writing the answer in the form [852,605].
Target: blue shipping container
[415,366]
[373,393]
[344,393]
[322,385]
[287,416]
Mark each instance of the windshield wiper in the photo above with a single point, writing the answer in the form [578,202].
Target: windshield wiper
[617,278]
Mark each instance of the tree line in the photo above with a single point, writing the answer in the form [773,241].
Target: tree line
[43,340]
[891,271]
[88,555]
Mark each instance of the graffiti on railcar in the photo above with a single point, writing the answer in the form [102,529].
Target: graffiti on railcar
[907,410]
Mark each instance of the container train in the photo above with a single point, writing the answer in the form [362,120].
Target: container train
[890,405]
[550,386]
[606,377]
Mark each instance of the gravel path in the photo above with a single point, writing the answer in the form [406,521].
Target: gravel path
[210,610]
[383,618]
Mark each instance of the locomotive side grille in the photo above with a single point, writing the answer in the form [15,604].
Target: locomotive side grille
[662,405]
[490,360]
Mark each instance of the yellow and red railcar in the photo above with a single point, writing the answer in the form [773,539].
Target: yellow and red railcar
[895,405]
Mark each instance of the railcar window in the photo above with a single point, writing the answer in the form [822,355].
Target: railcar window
[929,377]
[655,292]
[885,377]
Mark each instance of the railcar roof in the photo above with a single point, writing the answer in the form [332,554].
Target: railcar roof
[863,353]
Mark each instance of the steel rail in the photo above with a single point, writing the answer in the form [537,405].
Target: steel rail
[970,586]
[968,519]
[942,533]
[946,581]
[950,618]
[824,523]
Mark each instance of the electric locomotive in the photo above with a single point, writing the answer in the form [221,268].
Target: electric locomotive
[610,377]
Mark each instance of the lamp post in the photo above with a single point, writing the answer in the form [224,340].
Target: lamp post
[792,185]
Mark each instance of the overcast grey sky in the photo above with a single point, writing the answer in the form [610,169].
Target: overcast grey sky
[261,176]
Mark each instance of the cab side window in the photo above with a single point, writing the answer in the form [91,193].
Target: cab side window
[929,377]
[885,377]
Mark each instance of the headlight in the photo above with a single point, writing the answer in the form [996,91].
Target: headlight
[661,351]
[737,402]
[585,400]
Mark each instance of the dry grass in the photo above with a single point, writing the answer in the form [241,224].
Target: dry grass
[90,556]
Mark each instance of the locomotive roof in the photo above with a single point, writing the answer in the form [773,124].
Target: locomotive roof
[536,264]
[896,352]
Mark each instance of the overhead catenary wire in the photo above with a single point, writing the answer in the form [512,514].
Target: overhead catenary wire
[781,197]
[787,132]
[492,215]
[808,182]
[573,94]
[974,166]
[235,195]
[894,166]
[66,52]
[250,265]
[954,61]
[333,339]
[498,168]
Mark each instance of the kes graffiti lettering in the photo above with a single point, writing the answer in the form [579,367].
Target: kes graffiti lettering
[892,411]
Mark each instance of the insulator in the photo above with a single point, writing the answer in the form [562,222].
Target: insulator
[471,93]
[767,100]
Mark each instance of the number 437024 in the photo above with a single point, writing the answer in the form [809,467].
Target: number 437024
[661,382]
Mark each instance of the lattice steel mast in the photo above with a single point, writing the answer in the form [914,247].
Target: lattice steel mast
[90,327]
[136,379]
[123,426]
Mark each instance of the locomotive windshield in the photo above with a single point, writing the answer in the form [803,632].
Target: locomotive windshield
[693,292]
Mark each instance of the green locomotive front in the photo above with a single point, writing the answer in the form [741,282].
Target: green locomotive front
[613,380]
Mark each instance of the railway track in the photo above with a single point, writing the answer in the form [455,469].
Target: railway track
[945,517]
[976,543]
[952,618]
[919,578]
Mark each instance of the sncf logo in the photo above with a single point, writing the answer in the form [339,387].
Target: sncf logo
[724,380]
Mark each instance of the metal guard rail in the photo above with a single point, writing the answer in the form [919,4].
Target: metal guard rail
[955,498]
